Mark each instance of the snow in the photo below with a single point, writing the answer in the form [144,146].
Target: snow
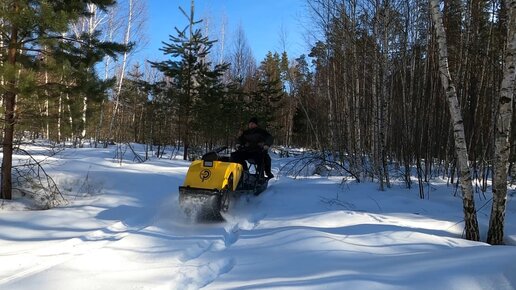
[122,229]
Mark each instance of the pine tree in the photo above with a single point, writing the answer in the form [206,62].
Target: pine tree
[35,29]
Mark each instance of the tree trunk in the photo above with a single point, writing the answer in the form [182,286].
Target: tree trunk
[107,62]
[355,98]
[2,81]
[59,116]
[470,216]
[46,113]
[10,105]
[84,119]
[331,124]
[122,71]
[70,117]
[502,133]
[377,106]
[92,24]
[384,100]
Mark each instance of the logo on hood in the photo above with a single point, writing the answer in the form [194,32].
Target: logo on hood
[205,174]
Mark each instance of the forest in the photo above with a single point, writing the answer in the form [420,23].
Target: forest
[389,89]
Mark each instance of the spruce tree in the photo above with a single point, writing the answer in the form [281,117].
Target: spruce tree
[195,82]
[133,97]
[266,100]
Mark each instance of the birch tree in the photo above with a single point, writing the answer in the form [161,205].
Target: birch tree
[121,75]
[87,25]
[502,133]
[243,63]
[380,33]
[111,27]
[461,149]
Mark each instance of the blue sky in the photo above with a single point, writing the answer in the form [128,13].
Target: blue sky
[262,21]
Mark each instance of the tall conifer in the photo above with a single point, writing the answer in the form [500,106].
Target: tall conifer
[34,31]
[195,82]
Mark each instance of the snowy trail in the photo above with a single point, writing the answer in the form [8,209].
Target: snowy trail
[305,233]
[46,257]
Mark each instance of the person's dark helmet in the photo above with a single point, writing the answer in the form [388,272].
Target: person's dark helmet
[253,120]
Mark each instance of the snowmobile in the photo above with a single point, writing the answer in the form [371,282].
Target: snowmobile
[212,183]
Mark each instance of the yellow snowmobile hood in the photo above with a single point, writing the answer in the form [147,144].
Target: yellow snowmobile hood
[212,175]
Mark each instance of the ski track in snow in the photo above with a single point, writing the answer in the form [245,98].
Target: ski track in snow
[193,275]
[39,260]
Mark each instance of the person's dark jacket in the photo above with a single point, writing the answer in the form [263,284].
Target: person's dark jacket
[255,139]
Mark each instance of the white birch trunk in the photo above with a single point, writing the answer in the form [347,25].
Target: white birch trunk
[355,88]
[222,40]
[107,63]
[59,114]
[88,25]
[470,216]
[84,110]
[127,37]
[70,118]
[502,133]
[92,24]
[47,125]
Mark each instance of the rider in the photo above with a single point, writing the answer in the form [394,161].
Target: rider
[253,144]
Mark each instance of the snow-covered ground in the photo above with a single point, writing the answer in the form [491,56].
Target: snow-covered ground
[122,229]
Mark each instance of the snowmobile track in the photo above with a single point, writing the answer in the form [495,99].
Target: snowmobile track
[200,274]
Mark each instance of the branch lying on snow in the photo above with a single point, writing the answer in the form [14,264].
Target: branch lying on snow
[120,152]
[315,165]
[137,156]
[33,181]
[337,202]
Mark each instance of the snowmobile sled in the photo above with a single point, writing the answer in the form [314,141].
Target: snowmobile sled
[213,182]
